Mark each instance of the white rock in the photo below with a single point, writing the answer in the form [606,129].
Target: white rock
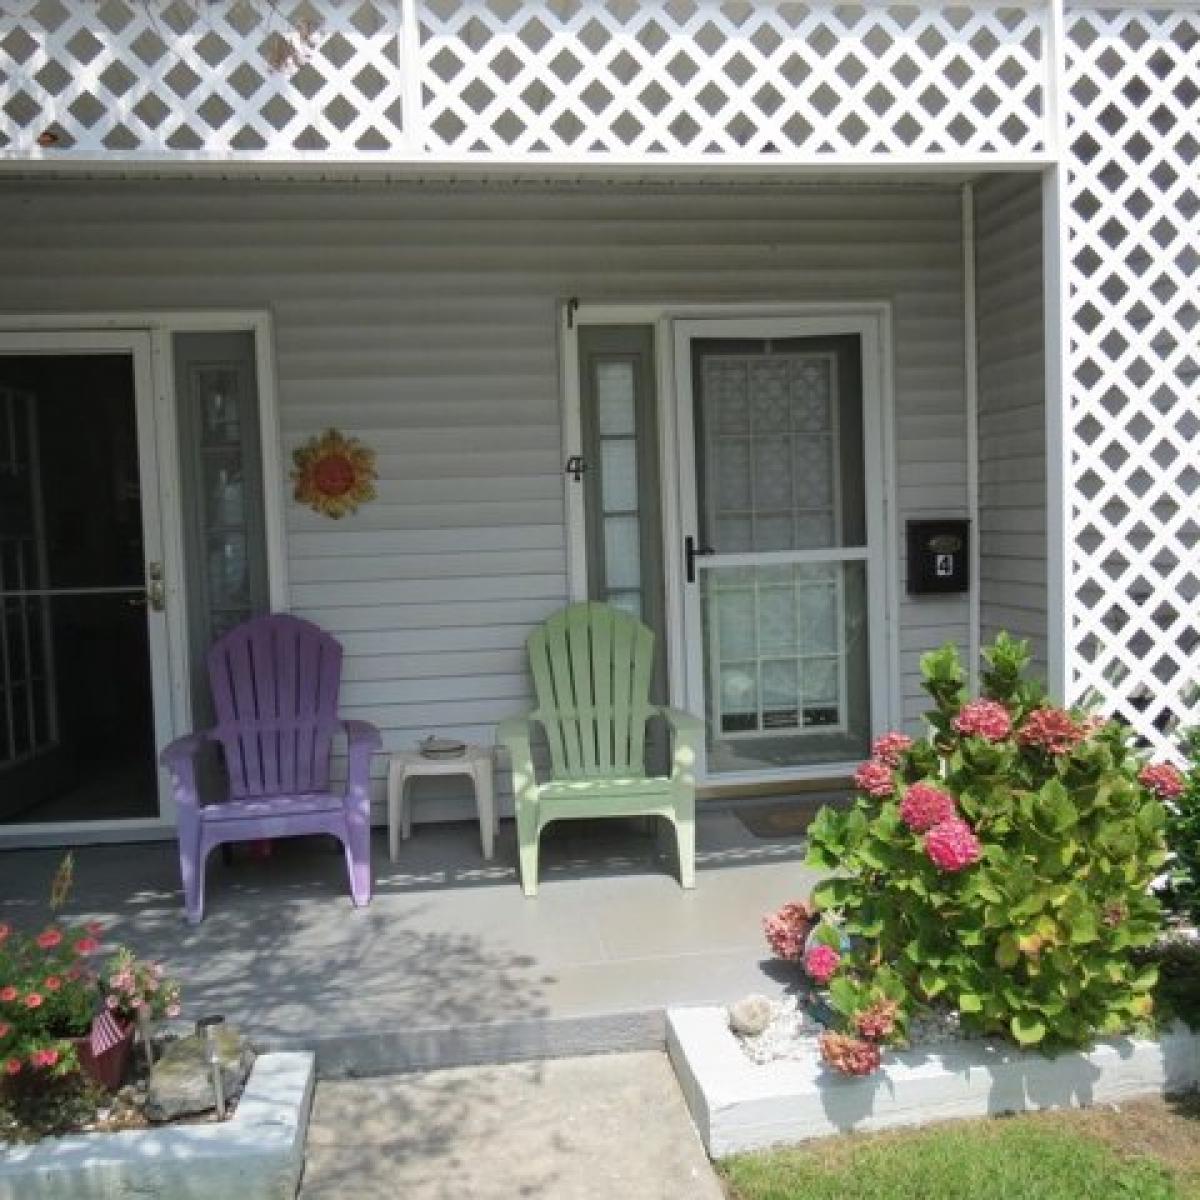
[751,1015]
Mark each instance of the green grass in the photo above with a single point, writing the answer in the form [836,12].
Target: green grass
[1007,1159]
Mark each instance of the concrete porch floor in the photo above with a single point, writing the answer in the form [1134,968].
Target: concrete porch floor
[450,964]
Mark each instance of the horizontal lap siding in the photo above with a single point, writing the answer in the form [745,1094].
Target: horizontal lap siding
[1012,436]
[423,320]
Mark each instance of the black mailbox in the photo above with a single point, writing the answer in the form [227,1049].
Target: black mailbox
[938,556]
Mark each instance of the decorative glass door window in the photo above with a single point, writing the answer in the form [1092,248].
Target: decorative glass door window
[220,453]
[781,572]
[771,462]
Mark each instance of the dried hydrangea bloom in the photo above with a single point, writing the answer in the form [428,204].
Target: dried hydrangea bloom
[878,1022]
[787,930]
[850,1055]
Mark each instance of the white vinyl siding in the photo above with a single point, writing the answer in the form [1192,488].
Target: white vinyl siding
[423,320]
[1012,437]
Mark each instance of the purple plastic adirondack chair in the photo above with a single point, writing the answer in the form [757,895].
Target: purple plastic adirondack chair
[275,685]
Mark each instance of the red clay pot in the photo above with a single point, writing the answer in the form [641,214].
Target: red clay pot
[108,1067]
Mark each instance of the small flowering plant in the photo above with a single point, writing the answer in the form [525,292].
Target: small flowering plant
[136,988]
[52,985]
[1000,868]
[47,996]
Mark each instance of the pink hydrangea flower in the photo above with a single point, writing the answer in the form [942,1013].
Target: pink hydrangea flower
[952,846]
[821,962]
[985,719]
[1162,779]
[1051,729]
[925,806]
[787,930]
[889,748]
[875,778]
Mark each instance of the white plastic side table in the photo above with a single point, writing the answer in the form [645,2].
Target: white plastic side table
[475,763]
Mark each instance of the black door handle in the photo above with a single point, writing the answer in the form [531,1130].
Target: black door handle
[690,553]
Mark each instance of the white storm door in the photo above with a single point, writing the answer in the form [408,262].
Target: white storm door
[780,474]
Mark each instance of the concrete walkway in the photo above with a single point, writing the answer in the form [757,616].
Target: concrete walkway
[606,1127]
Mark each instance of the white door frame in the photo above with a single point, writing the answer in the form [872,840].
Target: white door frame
[873,321]
[155,387]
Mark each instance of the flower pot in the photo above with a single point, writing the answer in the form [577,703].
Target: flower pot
[108,1067]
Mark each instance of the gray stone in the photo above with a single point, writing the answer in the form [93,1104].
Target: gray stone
[181,1080]
[750,1015]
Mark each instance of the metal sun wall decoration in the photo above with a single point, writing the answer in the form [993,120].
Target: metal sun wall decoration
[333,474]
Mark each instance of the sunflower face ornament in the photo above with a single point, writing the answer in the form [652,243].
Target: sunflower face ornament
[333,474]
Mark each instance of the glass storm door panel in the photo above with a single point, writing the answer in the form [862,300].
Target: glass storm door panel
[80,580]
[777,570]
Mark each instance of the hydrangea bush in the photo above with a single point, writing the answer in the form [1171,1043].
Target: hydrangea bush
[1181,794]
[1001,868]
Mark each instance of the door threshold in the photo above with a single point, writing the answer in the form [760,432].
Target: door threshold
[84,833]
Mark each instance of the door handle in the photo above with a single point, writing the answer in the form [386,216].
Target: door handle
[690,553]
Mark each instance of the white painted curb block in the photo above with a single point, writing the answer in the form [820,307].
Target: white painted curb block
[258,1154]
[738,1105]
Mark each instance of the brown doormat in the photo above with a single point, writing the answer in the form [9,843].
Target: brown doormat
[789,817]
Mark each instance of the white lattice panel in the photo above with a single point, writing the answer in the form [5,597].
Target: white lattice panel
[697,78]
[203,79]
[510,80]
[1133,261]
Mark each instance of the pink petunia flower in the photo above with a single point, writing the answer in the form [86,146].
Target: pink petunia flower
[821,962]
[890,746]
[8,994]
[1163,780]
[925,806]
[952,845]
[875,778]
[5,1029]
[49,938]
[985,719]
[33,1000]
[87,945]
[12,1067]
[52,983]
[1053,730]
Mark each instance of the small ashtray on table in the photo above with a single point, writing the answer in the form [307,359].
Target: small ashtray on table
[441,756]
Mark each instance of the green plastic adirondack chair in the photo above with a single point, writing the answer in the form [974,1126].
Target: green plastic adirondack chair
[591,669]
